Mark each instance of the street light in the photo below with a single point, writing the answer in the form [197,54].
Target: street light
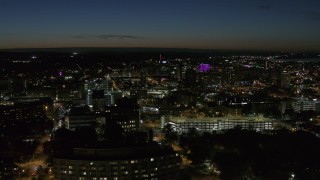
[292,176]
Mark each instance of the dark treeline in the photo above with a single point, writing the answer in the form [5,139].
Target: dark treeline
[245,154]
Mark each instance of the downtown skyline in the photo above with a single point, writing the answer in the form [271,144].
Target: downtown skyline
[265,25]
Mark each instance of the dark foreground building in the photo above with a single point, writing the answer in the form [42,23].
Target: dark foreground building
[149,161]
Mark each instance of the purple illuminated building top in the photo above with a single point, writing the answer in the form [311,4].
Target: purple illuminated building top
[60,73]
[205,67]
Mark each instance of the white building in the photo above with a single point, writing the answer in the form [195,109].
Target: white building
[305,104]
[215,124]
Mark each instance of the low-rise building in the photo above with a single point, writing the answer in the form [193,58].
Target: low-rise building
[305,104]
[149,161]
[79,116]
[216,124]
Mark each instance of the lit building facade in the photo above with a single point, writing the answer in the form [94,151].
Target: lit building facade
[112,96]
[144,162]
[96,92]
[98,84]
[125,113]
[79,117]
[217,125]
[21,111]
[139,93]
[305,104]
[285,79]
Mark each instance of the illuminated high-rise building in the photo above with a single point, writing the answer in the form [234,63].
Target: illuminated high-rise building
[229,75]
[125,112]
[285,79]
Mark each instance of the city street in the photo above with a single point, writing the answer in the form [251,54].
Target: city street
[36,168]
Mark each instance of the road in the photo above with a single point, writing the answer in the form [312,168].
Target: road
[35,168]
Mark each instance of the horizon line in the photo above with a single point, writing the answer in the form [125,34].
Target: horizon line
[170,48]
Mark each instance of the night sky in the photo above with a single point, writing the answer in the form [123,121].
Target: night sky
[281,25]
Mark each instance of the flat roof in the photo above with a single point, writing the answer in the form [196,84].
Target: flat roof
[177,119]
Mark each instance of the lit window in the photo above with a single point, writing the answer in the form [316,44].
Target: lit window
[133,161]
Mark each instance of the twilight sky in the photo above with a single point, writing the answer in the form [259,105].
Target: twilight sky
[281,25]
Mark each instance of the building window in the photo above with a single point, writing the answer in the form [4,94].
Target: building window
[133,161]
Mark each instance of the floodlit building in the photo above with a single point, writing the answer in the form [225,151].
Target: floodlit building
[305,104]
[216,124]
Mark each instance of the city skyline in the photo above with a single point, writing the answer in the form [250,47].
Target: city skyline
[265,25]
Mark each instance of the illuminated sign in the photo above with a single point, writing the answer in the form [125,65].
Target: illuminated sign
[205,67]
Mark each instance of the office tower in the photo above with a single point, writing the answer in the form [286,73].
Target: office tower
[229,76]
[125,112]
[80,116]
[139,93]
[285,79]
[190,78]
[143,80]
[98,100]
[98,84]
[305,104]
[178,72]
[112,97]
